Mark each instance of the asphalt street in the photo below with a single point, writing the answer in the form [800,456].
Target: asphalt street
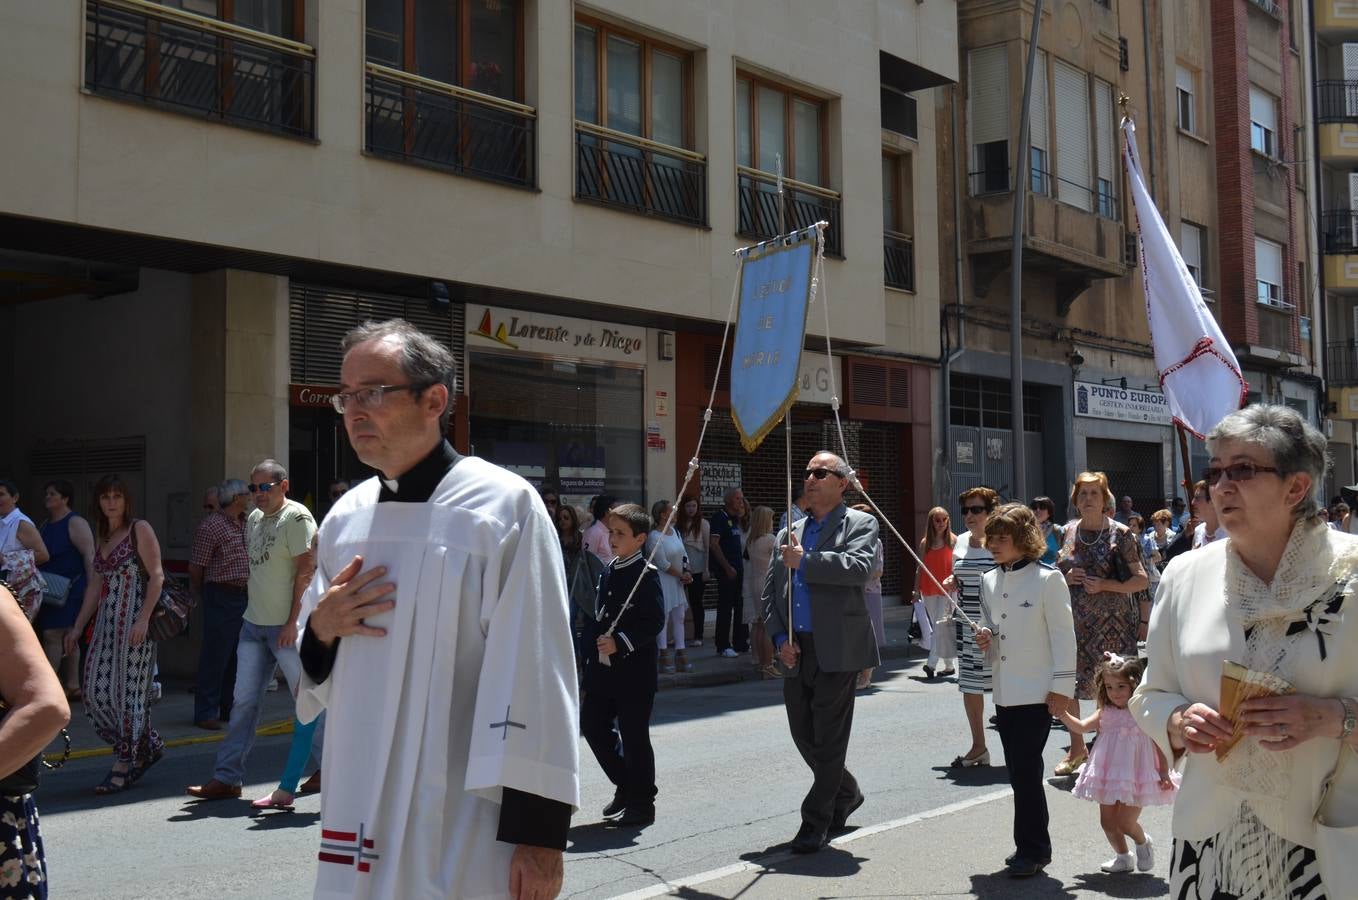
[730,786]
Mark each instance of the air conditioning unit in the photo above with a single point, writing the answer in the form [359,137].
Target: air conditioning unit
[1131,250]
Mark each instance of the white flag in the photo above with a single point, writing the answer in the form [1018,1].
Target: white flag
[1198,371]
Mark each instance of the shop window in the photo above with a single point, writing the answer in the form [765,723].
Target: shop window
[575,426]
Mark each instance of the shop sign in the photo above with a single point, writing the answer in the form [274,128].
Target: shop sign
[555,335]
[312,396]
[654,439]
[718,477]
[814,378]
[1108,401]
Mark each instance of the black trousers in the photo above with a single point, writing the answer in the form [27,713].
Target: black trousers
[624,752]
[820,716]
[223,608]
[1023,734]
[729,604]
[695,604]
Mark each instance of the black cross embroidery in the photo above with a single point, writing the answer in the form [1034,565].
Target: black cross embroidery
[506,725]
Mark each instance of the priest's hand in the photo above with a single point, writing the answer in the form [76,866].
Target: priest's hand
[535,873]
[352,597]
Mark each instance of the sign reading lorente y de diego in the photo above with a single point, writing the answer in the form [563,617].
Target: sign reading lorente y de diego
[1108,401]
[554,335]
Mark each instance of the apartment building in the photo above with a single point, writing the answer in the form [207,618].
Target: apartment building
[1216,89]
[201,196]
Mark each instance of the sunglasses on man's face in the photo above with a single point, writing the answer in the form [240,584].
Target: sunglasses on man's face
[1237,472]
[820,473]
[975,510]
[263,488]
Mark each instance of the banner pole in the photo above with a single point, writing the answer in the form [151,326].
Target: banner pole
[1188,471]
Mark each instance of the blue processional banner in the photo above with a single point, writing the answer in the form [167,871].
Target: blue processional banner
[775,290]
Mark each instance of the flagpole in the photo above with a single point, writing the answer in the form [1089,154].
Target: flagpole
[1188,471]
[1022,168]
[787,416]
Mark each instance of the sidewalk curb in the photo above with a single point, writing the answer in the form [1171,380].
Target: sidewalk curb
[283,726]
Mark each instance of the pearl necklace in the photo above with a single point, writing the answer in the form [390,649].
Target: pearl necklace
[1098,537]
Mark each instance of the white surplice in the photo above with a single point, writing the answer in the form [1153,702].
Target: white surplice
[471,690]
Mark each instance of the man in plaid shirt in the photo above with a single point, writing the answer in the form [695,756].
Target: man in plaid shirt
[219,570]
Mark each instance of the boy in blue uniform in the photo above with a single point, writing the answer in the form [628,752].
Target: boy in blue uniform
[622,689]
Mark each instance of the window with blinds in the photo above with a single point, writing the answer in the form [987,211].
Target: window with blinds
[1263,122]
[320,317]
[1039,133]
[1183,83]
[988,118]
[1268,273]
[1190,247]
[1072,136]
[1107,155]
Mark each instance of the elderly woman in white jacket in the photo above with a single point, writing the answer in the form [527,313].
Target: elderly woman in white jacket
[1276,597]
[1029,637]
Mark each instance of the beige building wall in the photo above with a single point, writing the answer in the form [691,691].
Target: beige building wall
[91,161]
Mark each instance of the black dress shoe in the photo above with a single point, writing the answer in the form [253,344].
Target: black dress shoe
[636,817]
[1023,867]
[841,819]
[1009,860]
[616,807]
[929,672]
[808,840]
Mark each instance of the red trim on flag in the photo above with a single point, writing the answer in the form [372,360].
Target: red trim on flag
[367,842]
[329,835]
[335,858]
[364,867]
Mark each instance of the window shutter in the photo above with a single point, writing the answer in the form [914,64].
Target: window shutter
[1268,262]
[1103,110]
[989,76]
[1263,109]
[1072,136]
[1037,109]
[1183,79]
[1190,247]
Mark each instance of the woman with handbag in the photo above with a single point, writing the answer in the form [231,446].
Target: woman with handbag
[70,542]
[1253,819]
[1101,560]
[35,712]
[21,550]
[118,666]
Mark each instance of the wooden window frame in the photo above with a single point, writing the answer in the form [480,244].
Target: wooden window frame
[464,19]
[898,184]
[790,137]
[603,30]
[226,11]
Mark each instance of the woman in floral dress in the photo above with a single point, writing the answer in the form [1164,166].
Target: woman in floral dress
[37,711]
[1101,560]
[119,664]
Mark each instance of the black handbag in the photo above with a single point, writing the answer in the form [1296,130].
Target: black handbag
[24,780]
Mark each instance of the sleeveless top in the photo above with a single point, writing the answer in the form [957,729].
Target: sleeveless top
[938,560]
[66,561]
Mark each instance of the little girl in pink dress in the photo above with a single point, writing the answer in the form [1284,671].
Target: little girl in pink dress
[1125,770]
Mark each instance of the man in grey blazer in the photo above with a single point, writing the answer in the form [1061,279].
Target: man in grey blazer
[829,557]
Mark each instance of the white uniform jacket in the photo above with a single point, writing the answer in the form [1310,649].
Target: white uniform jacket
[1027,607]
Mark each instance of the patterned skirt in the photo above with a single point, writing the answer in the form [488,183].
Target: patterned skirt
[1195,873]
[973,669]
[1103,621]
[118,675]
[23,868]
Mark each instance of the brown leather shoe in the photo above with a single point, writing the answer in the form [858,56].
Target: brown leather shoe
[214,790]
[210,724]
[312,785]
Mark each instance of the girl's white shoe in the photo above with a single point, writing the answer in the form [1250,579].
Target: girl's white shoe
[1122,862]
[1145,856]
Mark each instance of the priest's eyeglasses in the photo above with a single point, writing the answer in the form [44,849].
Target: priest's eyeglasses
[369,397]
[1238,472]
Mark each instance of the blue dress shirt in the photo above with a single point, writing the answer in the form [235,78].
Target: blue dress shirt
[801,592]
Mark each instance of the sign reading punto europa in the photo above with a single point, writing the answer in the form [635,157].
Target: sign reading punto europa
[528,332]
[1109,401]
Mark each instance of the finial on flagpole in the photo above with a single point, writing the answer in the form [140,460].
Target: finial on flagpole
[1124,101]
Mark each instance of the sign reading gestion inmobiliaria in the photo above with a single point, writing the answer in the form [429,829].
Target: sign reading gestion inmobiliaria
[1108,401]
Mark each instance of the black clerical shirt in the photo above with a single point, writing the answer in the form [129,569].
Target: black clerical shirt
[524,818]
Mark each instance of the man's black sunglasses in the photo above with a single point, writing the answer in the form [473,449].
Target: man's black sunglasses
[820,473]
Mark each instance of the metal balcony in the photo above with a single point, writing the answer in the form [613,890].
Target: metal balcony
[418,120]
[1337,101]
[1341,363]
[168,58]
[641,176]
[899,259]
[1339,232]
[804,205]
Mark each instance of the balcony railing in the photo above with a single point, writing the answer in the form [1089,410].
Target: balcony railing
[1341,363]
[1098,200]
[136,50]
[804,205]
[1339,232]
[1337,101]
[638,175]
[418,120]
[899,256]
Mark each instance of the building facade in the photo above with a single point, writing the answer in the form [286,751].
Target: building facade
[208,193]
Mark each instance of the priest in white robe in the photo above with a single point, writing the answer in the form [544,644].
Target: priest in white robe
[437,638]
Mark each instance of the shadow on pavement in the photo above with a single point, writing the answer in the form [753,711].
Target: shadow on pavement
[997,885]
[1128,886]
[597,837]
[976,776]
[195,810]
[277,821]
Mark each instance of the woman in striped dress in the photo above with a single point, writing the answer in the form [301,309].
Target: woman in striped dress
[971,560]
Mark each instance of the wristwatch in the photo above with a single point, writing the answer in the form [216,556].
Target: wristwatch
[1350,718]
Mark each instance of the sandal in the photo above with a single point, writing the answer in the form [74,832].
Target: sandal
[139,769]
[114,782]
[1070,765]
[270,802]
